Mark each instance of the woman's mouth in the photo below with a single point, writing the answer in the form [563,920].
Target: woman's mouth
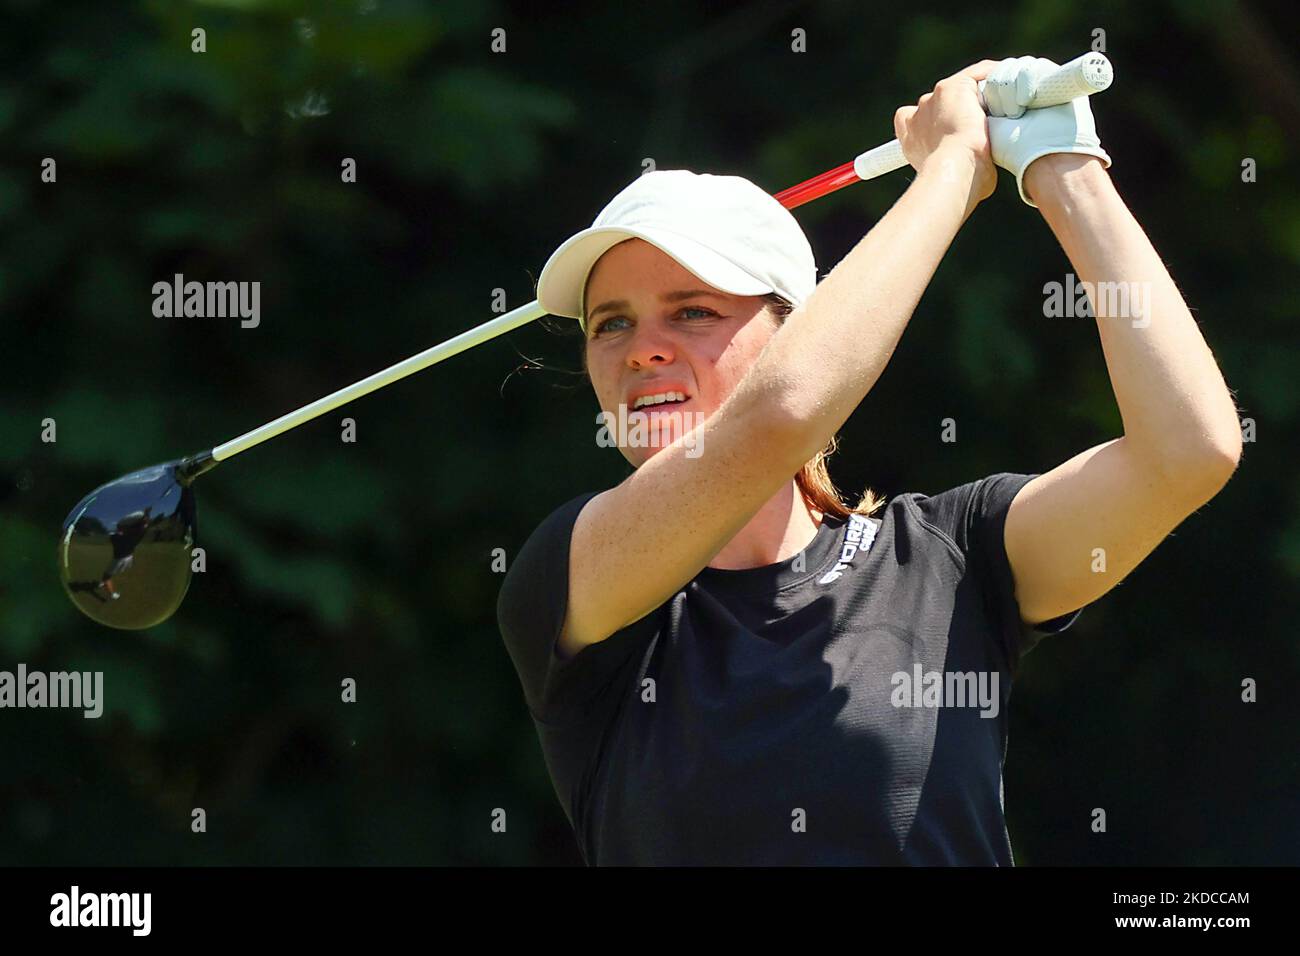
[660,401]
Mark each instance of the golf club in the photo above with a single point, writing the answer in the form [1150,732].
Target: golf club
[125,551]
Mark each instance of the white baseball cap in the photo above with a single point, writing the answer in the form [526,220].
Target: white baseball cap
[724,229]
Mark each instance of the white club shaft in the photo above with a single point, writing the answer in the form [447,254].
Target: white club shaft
[1083,76]
[454,346]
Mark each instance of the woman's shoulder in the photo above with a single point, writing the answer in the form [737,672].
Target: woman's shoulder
[563,516]
[958,512]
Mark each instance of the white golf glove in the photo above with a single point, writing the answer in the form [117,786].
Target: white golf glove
[1018,135]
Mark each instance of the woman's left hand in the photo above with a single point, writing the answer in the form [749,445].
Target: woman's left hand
[1018,136]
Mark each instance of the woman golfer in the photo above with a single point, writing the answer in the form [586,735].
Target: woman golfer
[726,664]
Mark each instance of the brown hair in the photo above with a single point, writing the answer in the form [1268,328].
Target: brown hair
[814,478]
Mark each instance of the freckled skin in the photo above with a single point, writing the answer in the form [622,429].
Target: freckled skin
[707,343]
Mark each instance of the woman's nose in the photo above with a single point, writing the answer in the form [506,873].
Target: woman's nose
[650,348]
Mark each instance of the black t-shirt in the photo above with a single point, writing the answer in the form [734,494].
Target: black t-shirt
[809,712]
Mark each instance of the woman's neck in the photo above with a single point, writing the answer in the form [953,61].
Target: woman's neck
[783,527]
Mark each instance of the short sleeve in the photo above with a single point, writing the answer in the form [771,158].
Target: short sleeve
[975,516]
[530,613]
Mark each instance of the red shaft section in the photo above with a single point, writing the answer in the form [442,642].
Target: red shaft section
[818,186]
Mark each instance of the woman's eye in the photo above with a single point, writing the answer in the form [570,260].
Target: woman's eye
[605,325]
[609,325]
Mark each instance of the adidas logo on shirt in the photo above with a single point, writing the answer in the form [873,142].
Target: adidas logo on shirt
[857,537]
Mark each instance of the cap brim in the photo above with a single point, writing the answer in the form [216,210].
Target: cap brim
[564,278]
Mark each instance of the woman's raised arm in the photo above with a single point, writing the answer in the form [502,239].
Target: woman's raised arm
[633,546]
[1182,436]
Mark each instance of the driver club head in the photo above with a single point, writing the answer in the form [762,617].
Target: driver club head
[125,549]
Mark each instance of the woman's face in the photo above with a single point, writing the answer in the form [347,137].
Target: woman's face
[653,328]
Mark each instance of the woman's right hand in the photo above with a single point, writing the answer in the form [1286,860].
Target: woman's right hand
[949,126]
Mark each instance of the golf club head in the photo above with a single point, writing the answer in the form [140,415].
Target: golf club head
[124,553]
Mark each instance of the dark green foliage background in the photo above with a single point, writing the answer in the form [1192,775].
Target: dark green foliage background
[372,560]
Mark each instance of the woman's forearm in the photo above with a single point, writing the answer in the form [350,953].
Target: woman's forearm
[820,364]
[1174,403]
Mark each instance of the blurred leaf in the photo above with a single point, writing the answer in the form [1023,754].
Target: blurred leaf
[336,496]
[31,599]
[115,434]
[990,350]
[318,586]
[466,115]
